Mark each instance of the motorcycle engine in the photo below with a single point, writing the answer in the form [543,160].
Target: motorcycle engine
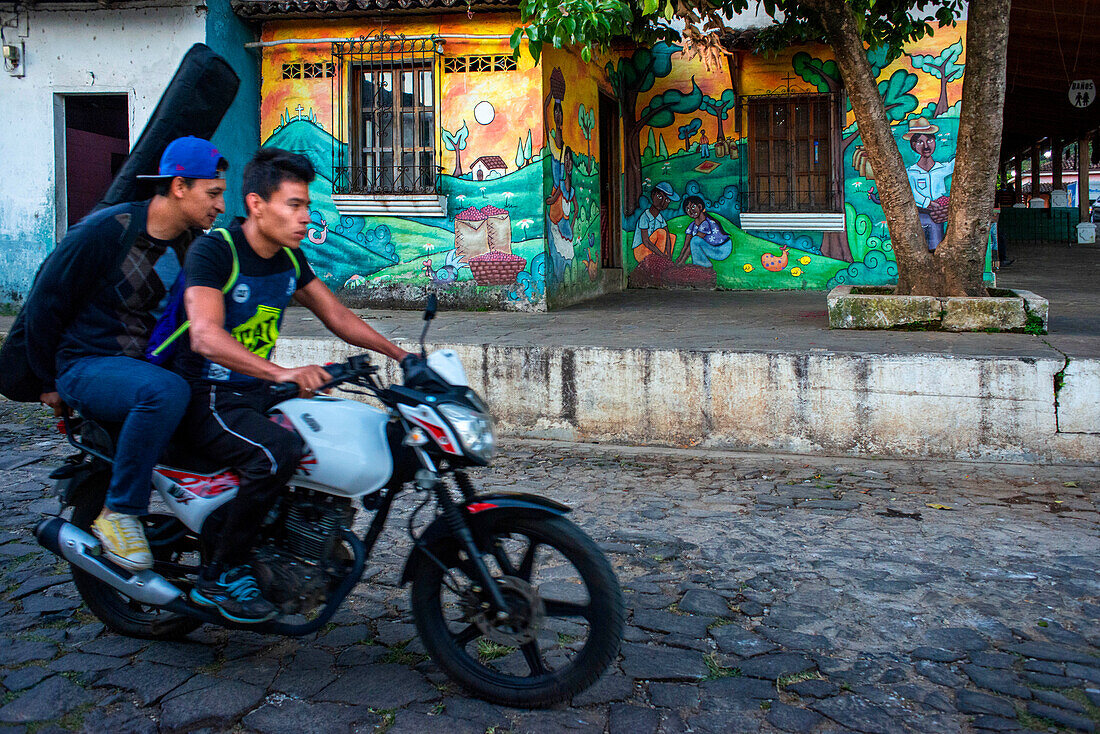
[305,557]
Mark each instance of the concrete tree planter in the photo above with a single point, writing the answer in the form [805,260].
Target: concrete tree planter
[864,307]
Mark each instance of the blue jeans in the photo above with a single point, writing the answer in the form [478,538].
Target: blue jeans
[147,400]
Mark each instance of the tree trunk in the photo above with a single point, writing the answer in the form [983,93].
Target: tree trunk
[978,148]
[918,273]
[720,133]
[458,162]
[632,157]
[941,104]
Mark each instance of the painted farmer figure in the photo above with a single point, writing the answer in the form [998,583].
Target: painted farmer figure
[705,240]
[89,320]
[651,236]
[928,179]
[704,145]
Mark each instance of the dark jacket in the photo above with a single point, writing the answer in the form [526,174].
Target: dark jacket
[96,294]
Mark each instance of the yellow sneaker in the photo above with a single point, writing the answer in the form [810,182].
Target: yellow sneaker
[123,540]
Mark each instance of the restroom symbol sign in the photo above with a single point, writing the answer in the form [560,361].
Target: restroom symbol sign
[1082,93]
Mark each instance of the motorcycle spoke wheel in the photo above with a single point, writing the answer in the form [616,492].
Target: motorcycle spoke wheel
[566,615]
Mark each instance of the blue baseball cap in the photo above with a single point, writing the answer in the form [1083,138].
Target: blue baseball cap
[190,157]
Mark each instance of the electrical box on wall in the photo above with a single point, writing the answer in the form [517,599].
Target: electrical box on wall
[14,60]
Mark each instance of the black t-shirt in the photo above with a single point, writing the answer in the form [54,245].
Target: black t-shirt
[257,295]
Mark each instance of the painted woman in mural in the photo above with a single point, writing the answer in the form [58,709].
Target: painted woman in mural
[559,208]
[559,204]
[928,179]
[651,236]
[705,240]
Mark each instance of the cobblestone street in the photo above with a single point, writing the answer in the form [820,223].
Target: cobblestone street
[764,593]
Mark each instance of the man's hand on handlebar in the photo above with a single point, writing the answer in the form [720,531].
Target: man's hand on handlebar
[308,378]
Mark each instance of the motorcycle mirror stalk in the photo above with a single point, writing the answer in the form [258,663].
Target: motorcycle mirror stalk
[429,314]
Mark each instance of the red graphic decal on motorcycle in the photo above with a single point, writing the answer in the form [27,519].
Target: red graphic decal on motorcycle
[307,463]
[188,486]
[477,507]
[438,433]
[281,420]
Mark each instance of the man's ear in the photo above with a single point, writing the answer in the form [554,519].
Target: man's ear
[178,187]
[252,202]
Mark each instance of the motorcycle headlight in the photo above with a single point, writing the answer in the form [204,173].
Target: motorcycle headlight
[475,430]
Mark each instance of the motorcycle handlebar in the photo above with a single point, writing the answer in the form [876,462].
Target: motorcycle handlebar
[358,365]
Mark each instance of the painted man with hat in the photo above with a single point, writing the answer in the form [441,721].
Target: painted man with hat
[651,235]
[928,179]
[89,315]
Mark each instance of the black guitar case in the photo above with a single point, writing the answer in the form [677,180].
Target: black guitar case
[194,103]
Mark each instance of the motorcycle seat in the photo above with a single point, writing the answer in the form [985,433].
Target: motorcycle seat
[103,436]
[182,457]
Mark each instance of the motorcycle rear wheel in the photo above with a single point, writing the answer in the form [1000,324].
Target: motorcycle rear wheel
[572,641]
[120,613]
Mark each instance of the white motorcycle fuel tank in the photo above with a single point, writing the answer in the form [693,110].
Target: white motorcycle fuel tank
[347,452]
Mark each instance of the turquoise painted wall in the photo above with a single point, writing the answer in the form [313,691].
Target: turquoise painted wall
[238,136]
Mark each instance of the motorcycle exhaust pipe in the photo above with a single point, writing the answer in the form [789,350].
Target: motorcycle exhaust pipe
[66,540]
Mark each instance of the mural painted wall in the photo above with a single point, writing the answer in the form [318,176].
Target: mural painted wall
[489,248]
[686,168]
[571,176]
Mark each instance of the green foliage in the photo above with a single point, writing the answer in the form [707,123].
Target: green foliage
[895,94]
[687,132]
[822,74]
[878,57]
[456,140]
[651,146]
[883,25]
[586,118]
[640,71]
[719,107]
[662,151]
[662,109]
[858,228]
[944,66]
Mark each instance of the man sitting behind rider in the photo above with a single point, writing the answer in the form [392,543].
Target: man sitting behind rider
[228,366]
[90,316]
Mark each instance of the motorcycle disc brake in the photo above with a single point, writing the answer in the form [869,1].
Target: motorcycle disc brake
[525,608]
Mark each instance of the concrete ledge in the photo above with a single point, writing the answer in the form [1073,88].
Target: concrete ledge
[923,405]
[1018,312]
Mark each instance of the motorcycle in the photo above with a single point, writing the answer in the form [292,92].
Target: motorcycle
[511,599]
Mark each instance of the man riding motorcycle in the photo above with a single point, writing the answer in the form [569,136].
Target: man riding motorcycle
[90,315]
[239,283]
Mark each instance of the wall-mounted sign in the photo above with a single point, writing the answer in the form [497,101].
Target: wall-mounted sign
[1082,93]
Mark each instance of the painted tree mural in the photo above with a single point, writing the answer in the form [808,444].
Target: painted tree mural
[720,108]
[944,67]
[456,141]
[687,132]
[630,77]
[586,118]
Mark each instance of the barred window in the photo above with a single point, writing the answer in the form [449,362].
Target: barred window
[792,146]
[308,70]
[389,103]
[473,64]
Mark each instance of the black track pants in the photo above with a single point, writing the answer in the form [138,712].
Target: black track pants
[231,427]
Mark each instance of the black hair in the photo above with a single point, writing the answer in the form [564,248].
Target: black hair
[270,167]
[163,186]
[693,199]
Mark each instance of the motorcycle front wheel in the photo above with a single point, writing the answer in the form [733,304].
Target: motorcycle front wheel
[565,612]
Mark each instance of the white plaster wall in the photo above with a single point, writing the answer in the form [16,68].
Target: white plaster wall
[911,406]
[80,49]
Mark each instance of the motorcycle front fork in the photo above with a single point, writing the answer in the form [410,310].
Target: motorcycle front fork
[428,480]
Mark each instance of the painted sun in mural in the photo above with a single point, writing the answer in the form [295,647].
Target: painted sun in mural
[484,112]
